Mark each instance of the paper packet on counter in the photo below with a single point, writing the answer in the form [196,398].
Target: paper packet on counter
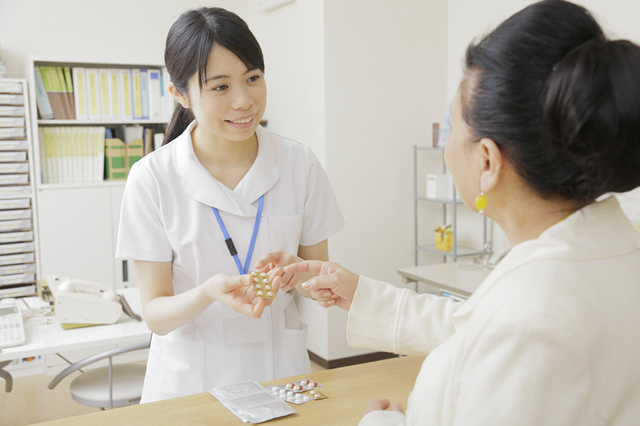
[250,402]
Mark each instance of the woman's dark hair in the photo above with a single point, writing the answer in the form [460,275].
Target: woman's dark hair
[189,44]
[561,101]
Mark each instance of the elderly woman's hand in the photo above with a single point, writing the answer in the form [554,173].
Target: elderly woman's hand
[334,285]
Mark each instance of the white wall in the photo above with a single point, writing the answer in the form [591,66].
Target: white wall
[114,30]
[360,81]
[384,71]
[292,41]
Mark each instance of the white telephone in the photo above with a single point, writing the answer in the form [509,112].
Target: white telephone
[80,303]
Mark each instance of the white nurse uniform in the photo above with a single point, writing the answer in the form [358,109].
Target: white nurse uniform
[167,217]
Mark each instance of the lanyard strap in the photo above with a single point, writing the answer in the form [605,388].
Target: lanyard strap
[229,241]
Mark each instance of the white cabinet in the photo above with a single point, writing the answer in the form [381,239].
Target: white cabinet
[75,233]
[78,234]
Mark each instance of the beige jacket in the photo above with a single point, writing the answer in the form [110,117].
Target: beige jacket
[551,337]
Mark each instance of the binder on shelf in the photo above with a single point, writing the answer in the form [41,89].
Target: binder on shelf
[70,96]
[144,93]
[136,97]
[75,157]
[133,138]
[116,93]
[92,153]
[115,159]
[85,154]
[158,139]
[98,159]
[155,95]
[127,107]
[80,93]
[168,103]
[42,99]
[58,75]
[54,98]
[105,98]
[93,94]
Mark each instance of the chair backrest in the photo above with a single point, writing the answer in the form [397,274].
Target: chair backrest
[95,358]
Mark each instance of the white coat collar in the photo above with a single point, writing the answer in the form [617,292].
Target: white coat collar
[198,183]
[598,230]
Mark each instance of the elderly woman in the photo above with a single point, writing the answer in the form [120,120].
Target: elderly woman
[546,120]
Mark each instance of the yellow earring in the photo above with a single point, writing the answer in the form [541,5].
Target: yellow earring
[481,203]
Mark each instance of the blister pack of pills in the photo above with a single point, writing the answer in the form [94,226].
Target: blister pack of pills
[262,285]
[250,402]
[292,392]
[316,394]
[301,386]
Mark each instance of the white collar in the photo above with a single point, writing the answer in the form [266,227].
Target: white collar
[198,183]
[597,230]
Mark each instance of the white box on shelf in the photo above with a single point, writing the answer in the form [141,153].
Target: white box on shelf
[437,186]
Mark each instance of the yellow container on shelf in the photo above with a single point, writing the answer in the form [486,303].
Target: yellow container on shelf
[444,238]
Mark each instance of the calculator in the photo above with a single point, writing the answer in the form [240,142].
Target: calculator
[11,326]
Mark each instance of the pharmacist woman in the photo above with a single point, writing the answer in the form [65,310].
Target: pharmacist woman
[221,177]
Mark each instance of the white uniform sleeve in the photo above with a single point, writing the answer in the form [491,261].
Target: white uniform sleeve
[384,317]
[141,235]
[322,217]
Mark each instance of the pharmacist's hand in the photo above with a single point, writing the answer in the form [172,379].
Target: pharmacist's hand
[237,293]
[334,285]
[273,263]
[383,404]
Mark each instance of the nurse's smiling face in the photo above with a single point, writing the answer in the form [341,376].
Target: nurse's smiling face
[233,99]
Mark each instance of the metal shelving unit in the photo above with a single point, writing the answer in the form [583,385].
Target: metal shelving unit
[456,250]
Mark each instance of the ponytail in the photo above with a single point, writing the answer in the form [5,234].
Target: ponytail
[180,120]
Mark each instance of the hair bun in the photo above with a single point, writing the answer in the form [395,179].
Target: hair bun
[591,119]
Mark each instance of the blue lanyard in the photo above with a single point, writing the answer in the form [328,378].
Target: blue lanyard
[232,248]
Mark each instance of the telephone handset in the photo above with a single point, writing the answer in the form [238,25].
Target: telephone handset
[91,287]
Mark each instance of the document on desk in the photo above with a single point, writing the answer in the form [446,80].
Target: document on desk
[250,402]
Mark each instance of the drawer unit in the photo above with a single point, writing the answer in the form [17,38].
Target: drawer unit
[11,99]
[22,268]
[17,248]
[15,225]
[13,87]
[11,111]
[12,132]
[19,203]
[12,259]
[12,121]
[14,145]
[14,179]
[15,214]
[15,237]
[13,156]
[14,167]
[18,268]
[17,279]
[14,191]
